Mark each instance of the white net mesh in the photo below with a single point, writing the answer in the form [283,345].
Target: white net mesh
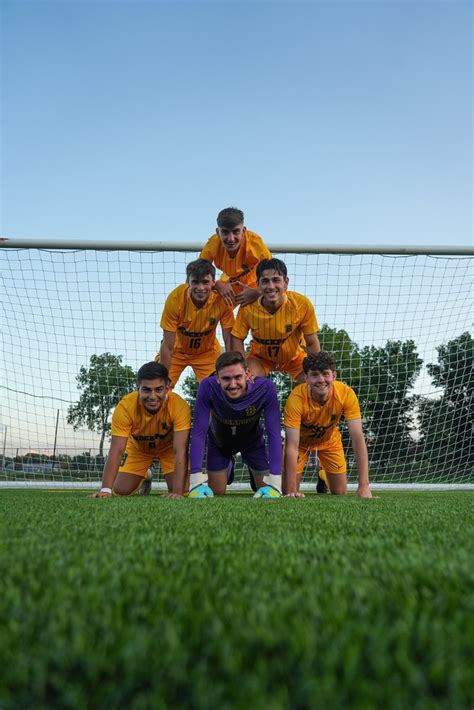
[398,325]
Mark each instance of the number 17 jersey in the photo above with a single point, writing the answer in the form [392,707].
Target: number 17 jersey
[277,336]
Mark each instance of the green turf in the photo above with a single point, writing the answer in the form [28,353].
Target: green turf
[234,603]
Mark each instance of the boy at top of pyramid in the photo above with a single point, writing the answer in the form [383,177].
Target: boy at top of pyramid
[236,251]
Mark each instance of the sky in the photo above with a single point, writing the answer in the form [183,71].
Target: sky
[327,122]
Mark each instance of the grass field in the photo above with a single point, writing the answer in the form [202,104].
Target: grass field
[234,603]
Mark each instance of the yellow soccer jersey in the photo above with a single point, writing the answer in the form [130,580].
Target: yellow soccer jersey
[318,424]
[241,267]
[150,433]
[195,328]
[277,336]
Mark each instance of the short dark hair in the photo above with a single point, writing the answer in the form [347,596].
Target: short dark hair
[199,269]
[230,358]
[230,217]
[318,362]
[152,371]
[276,265]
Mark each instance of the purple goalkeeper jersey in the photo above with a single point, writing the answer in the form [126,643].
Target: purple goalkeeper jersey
[234,425]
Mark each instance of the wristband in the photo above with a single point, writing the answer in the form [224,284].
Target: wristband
[105,490]
[195,479]
[272,479]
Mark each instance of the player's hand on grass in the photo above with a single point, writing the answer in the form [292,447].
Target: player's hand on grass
[170,494]
[268,492]
[364,492]
[101,494]
[201,491]
[248,295]
[224,288]
[297,494]
[198,487]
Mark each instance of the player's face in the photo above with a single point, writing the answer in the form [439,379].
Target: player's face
[231,238]
[152,394]
[272,287]
[200,289]
[320,383]
[233,379]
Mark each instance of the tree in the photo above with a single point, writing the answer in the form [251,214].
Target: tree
[387,375]
[346,352]
[103,385]
[446,423]
[189,389]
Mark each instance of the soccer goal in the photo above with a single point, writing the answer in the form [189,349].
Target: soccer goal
[78,320]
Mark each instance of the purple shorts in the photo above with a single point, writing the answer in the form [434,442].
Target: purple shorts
[255,457]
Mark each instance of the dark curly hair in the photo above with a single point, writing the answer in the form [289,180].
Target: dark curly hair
[318,362]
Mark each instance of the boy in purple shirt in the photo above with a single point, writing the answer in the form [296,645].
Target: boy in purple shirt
[227,418]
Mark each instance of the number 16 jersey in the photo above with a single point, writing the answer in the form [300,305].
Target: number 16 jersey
[195,327]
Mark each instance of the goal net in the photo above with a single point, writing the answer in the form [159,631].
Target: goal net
[85,319]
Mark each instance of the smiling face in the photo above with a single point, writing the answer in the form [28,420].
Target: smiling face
[272,286]
[200,289]
[231,239]
[152,394]
[320,384]
[233,380]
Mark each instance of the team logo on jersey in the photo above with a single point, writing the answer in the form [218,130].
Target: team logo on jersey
[288,327]
[250,411]
[212,321]
[164,425]
[319,431]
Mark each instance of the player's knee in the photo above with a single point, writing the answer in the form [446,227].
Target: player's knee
[337,484]
[127,485]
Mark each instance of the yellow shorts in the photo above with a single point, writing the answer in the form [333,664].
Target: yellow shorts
[203,364]
[293,367]
[138,463]
[331,459]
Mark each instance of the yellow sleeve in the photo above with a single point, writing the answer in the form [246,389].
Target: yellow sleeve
[170,315]
[227,317]
[258,248]
[210,249]
[309,322]
[180,413]
[293,411]
[121,421]
[351,408]
[241,327]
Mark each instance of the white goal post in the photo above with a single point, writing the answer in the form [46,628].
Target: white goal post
[397,318]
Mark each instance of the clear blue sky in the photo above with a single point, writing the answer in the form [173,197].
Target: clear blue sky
[326,122]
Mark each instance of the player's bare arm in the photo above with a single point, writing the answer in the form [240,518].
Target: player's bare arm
[180,448]
[227,338]
[237,345]
[292,440]
[111,467]
[166,349]
[312,343]
[360,452]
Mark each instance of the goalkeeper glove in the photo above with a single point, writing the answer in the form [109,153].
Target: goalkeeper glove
[198,487]
[272,489]
[267,492]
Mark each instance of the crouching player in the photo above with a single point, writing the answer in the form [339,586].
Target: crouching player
[312,414]
[151,423]
[227,417]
